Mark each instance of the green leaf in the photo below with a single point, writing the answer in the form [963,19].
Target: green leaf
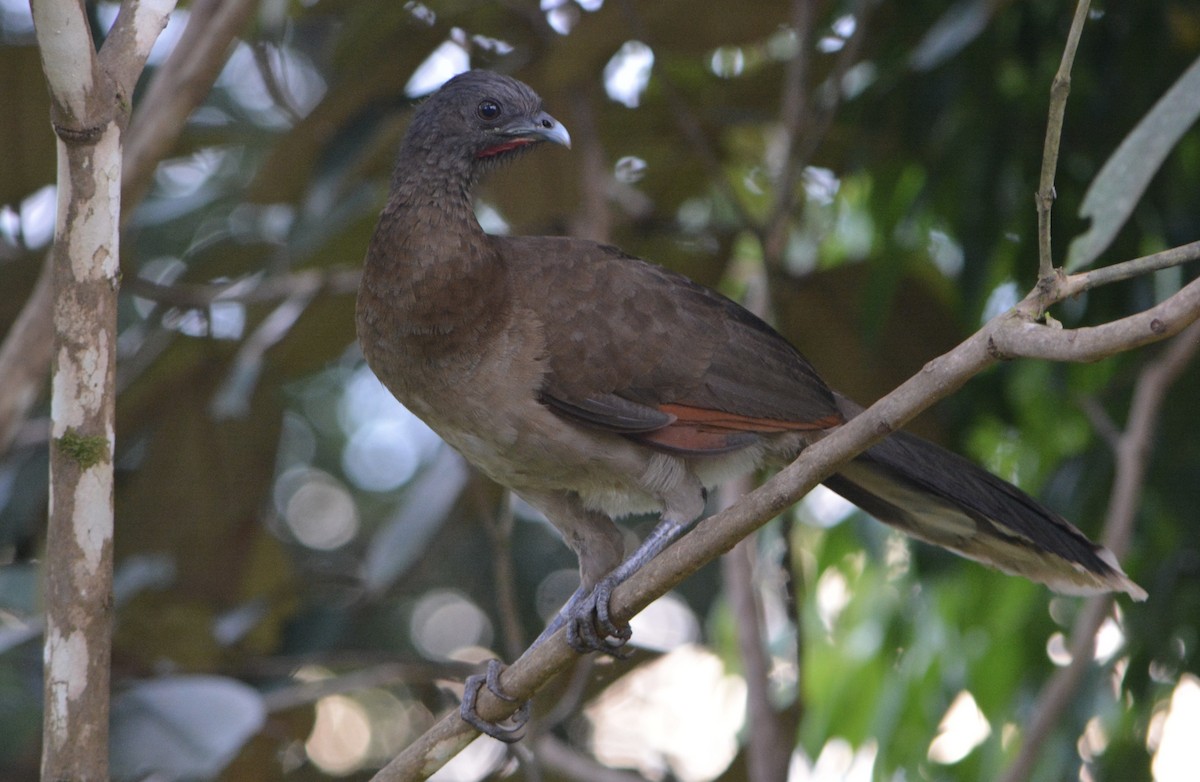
[1118,187]
[182,727]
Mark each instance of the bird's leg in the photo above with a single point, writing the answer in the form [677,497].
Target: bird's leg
[470,714]
[563,614]
[590,627]
[598,544]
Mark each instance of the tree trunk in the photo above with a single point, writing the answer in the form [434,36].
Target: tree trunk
[91,95]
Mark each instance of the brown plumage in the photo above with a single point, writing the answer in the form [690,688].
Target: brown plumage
[594,384]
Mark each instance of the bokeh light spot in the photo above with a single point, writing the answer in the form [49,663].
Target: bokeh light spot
[679,715]
[627,74]
[443,621]
[341,735]
[962,729]
[317,508]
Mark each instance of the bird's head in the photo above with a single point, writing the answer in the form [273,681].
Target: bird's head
[482,117]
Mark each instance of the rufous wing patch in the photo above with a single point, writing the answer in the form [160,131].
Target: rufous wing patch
[719,419]
[698,430]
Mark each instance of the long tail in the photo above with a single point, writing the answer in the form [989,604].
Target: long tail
[944,499]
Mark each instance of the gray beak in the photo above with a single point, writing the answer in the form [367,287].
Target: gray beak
[548,128]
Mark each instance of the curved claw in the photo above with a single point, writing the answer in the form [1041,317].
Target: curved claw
[591,629]
[469,714]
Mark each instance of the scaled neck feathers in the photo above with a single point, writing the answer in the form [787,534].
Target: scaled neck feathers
[437,279]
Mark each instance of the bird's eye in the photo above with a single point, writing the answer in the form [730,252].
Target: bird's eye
[488,109]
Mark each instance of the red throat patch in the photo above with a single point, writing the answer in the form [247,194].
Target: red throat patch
[505,147]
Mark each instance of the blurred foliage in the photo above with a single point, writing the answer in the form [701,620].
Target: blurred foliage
[281,524]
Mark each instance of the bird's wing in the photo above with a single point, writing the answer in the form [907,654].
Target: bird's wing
[635,348]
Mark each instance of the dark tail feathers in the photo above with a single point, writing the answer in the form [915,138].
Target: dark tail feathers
[944,499]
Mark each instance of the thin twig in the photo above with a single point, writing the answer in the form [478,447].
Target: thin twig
[250,290]
[1101,422]
[1059,89]
[270,77]
[1085,281]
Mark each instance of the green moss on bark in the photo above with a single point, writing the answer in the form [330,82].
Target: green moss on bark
[86,451]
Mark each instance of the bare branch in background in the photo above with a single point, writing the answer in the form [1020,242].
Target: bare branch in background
[256,290]
[232,399]
[771,734]
[1131,449]
[498,520]
[25,357]
[805,117]
[593,218]
[279,93]
[559,757]
[689,122]
[178,86]
[794,106]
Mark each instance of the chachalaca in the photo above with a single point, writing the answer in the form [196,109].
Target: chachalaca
[594,384]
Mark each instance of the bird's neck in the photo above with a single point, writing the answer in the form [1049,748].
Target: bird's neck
[434,283]
[429,196]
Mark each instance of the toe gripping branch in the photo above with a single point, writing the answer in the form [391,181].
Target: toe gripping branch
[590,627]
[510,733]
